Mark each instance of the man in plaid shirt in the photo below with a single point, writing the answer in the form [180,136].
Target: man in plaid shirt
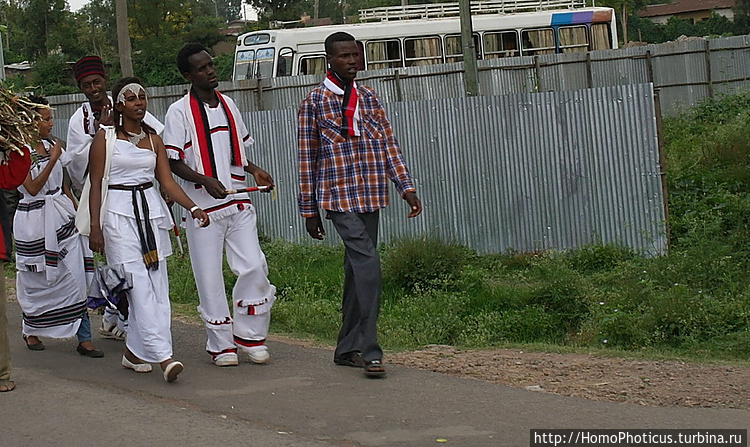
[347,152]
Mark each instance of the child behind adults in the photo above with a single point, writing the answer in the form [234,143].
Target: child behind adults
[132,227]
[54,265]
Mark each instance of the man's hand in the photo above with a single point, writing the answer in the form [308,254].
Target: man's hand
[262,178]
[415,205]
[214,187]
[107,117]
[315,228]
[202,217]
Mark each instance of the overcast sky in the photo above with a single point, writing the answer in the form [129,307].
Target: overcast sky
[75,5]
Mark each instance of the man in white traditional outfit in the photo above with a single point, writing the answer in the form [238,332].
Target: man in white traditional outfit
[83,125]
[206,139]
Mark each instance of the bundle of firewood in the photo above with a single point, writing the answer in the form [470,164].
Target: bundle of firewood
[18,118]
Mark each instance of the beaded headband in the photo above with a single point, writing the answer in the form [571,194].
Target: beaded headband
[133,87]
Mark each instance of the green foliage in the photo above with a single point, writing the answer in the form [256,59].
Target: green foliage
[715,25]
[43,31]
[224,66]
[52,72]
[156,62]
[426,263]
[597,258]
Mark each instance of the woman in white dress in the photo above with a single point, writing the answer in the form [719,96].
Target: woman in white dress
[53,263]
[132,228]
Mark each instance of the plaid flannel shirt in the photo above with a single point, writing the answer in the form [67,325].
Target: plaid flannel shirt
[338,172]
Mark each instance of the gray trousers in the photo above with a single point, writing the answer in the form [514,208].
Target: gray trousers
[4,344]
[362,284]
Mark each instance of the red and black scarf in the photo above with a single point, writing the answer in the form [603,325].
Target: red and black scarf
[204,133]
[349,105]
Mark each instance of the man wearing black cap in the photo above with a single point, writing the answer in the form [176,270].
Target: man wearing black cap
[83,125]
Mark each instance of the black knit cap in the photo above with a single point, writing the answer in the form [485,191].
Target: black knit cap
[88,65]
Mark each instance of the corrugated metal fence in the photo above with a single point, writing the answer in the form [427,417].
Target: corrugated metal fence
[684,72]
[525,172]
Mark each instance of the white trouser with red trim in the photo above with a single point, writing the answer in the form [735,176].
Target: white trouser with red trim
[252,295]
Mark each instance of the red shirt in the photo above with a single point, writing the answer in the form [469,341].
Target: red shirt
[12,174]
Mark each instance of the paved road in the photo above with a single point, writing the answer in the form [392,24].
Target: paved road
[299,399]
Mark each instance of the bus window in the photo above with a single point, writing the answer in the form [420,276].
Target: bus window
[244,66]
[313,65]
[384,54]
[284,64]
[538,41]
[500,44]
[264,63]
[573,38]
[454,52]
[601,37]
[423,51]
[256,39]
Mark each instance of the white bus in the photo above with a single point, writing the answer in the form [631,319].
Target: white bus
[409,42]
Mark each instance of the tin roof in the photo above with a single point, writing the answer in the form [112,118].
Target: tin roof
[682,6]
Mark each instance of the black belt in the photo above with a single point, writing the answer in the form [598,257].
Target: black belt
[140,187]
[145,232]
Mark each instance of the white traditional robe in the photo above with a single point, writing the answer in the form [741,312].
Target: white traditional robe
[53,262]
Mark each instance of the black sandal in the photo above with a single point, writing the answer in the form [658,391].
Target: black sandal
[36,346]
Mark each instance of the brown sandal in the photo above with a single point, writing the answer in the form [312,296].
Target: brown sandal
[353,359]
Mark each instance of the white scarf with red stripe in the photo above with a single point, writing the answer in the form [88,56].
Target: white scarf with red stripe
[200,133]
[350,118]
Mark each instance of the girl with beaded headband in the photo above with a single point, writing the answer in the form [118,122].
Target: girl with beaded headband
[134,228]
[52,277]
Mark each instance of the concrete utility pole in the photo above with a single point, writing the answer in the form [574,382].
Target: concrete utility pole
[471,82]
[123,37]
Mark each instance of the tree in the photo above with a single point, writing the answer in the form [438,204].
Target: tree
[284,10]
[228,10]
[99,33]
[37,27]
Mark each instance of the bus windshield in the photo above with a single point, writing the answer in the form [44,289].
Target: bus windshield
[254,64]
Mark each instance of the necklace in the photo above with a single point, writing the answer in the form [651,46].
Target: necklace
[135,138]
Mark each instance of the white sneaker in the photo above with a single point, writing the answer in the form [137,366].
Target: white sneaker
[258,354]
[137,367]
[226,359]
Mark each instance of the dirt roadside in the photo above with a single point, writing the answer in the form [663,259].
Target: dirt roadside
[664,383]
